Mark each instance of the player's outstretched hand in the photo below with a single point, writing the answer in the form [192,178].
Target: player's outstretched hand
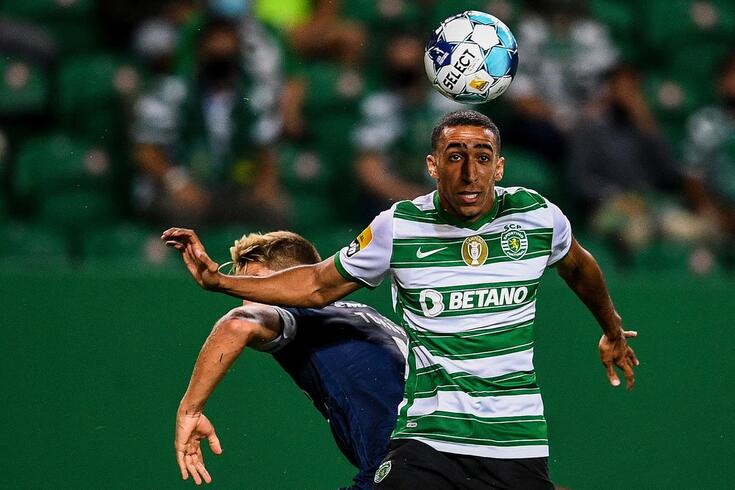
[618,353]
[202,268]
[190,430]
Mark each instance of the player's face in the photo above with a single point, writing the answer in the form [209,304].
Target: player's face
[255,269]
[466,165]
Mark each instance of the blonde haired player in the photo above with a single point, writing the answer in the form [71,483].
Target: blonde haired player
[346,357]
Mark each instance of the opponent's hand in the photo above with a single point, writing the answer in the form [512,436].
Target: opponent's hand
[190,430]
[617,352]
[202,268]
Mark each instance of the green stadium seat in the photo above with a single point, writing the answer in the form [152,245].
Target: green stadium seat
[91,91]
[65,180]
[24,245]
[24,87]
[523,168]
[302,167]
[369,13]
[664,256]
[127,246]
[508,11]
[672,24]
[622,19]
[71,22]
[673,98]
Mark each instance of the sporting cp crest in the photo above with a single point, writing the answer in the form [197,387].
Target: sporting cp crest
[514,242]
[382,472]
[474,251]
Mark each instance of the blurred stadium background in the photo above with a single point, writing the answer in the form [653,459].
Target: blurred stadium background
[119,118]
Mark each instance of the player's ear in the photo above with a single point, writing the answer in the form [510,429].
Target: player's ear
[499,169]
[431,165]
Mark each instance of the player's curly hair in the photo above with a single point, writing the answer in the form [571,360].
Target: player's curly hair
[277,250]
[463,117]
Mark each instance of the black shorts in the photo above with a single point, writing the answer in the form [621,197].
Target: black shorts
[412,464]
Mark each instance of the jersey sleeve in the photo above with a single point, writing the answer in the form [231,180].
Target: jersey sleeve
[367,258]
[562,235]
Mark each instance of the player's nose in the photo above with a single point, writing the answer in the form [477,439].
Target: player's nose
[469,171]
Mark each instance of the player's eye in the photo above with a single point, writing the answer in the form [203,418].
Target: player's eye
[484,158]
[455,157]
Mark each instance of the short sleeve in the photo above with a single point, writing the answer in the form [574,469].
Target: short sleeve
[562,236]
[367,258]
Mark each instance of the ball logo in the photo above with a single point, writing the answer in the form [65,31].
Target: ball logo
[359,243]
[474,251]
[382,472]
[514,242]
[479,84]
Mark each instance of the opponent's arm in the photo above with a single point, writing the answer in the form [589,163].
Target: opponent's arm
[249,325]
[582,274]
[306,286]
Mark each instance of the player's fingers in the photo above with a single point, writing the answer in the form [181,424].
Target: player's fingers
[199,465]
[175,244]
[611,375]
[627,368]
[214,443]
[632,357]
[192,469]
[630,333]
[182,465]
[177,233]
[203,472]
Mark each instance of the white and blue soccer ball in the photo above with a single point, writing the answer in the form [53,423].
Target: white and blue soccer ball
[471,57]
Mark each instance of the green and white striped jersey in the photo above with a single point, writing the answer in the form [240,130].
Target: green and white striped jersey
[466,295]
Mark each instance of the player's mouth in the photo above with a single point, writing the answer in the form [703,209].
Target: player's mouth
[469,198]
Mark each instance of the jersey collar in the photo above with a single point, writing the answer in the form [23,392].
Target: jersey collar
[476,225]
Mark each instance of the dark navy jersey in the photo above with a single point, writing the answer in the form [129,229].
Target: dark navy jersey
[347,358]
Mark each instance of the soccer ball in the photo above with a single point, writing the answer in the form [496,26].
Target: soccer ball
[471,58]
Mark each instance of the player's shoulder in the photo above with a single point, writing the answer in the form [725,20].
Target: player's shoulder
[518,200]
[420,208]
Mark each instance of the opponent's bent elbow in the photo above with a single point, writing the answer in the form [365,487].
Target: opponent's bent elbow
[239,325]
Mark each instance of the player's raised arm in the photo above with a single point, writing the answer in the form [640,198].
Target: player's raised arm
[581,272]
[306,286]
[248,325]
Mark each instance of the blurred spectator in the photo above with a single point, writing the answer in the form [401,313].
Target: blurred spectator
[389,162]
[205,149]
[709,150]
[622,174]
[563,56]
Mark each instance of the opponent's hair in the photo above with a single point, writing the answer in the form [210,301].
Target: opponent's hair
[463,117]
[276,250]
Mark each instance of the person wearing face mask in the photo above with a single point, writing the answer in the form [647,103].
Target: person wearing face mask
[218,160]
[623,176]
[392,119]
[709,152]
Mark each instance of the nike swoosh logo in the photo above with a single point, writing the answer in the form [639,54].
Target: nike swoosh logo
[423,255]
